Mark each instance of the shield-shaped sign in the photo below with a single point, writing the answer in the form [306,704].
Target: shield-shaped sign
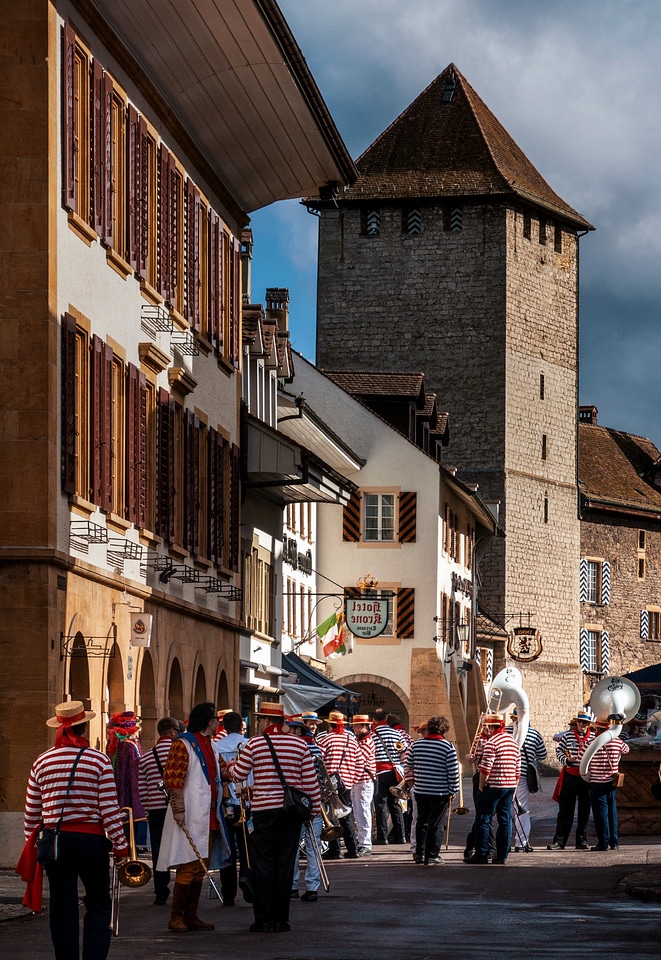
[524,644]
[366,617]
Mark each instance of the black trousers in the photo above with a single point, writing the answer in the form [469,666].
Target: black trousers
[161,877]
[574,791]
[384,802]
[348,827]
[428,826]
[85,856]
[273,844]
[228,881]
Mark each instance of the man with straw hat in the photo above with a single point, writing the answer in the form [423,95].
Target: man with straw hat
[343,759]
[83,807]
[276,829]
[572,790]
[362,792]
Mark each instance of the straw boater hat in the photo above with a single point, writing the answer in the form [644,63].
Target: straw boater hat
[361,719]
[274,710]
[493,719]
[296,721]
[335,716]
[582,717]
[310,716]
[70,714]
[221,713]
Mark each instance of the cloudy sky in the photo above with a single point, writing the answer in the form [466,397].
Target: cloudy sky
[576,83]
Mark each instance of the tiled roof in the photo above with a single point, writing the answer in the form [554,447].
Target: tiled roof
[457,148]
[379,384]
[613,467]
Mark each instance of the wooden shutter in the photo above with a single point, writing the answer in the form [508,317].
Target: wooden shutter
[235,507]
[584,650]
[644,624]
[191,482]
[351,520]
[109,201]
[101,492]
[235,319]
[407,517]
[164,225]
[136,446]
[69,404]
[143,197]
[489,670]
[96,209]
[69,183]
[215,280]
[605,582]
[216,496]
[605,652]
[193,205]
[583,581]
[132,176]
[165,465]
[405,613]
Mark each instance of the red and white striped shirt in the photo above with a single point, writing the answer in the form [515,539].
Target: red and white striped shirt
[367,766]
[92,802]
[501,761]
[149,776]
[342,755]
[605,762]
[297,768]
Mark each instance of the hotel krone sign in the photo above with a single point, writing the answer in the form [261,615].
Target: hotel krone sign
[366,617]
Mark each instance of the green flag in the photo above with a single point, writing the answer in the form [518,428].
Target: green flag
[324,627]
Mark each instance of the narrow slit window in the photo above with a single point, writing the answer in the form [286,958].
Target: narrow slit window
[544,446]
[526,226]
[546,509]
[557,238]
[541,386]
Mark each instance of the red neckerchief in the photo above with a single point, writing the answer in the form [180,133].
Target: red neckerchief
[434,736]
[580,739]
[337,727]
[273,728]
[65,737]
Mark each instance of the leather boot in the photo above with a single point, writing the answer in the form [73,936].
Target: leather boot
[191,918]
[180,896]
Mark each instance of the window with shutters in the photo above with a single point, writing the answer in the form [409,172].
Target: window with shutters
[118,438]
[378,516]
[178,477]
[258,598]
[594,581]
[77,131]
[453,219]
[593,653]
[82,413]
[370,221]
[411,221]
[115,227]
[203,492]
[75,407]
[101,424]
[654,623]
[150,454]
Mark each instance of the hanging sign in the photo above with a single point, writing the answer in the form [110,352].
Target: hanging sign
[524,644]
[141,629]
[366,617]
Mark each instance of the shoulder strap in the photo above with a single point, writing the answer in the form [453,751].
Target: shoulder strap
[276,761]
[158,760]
[386,747]
[66,795]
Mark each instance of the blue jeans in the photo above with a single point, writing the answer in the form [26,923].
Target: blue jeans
[604,813]
[84,855]
[312,872]
[492,800]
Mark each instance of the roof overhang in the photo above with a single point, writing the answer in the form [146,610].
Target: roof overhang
[298,421]
[231,75]
[285,472]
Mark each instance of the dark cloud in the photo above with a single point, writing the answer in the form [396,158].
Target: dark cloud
[576,84]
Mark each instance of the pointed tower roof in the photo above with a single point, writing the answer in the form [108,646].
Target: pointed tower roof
[447,143]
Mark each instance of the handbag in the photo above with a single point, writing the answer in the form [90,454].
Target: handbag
[48,838]
[335,778]
[618,780]
[294,798]
[532,777]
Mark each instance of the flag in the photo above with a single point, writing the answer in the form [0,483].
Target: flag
[335,643]
[323,628]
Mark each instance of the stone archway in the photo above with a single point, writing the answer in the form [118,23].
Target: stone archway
[175,700]
[222,695]
[378,691]
[200,690]
[78,687]
[115,681]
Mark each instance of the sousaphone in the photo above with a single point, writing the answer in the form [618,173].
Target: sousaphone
[617,700]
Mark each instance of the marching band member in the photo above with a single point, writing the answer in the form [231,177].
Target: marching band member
[229,748]
[571,789]
[362,791]
[474,758]
[603,770]
[191,777]
[276,832]
[153,798]
[432,768]
[500,770]
[301,729]
[533,751]
[343,759]
[389,747]
[86,815]
[221,732]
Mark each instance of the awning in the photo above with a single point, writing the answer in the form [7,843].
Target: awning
[313,690]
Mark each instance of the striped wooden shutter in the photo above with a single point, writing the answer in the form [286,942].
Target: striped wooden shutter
[132,176]
[192,482]
[165,465]
[489,670]
[141,452]
[583,581]
[405,613]
[584,651]
[215,280]
[605,582]
[644,625]
[216,496]
[605,652]
[351,520]
[109,201]
[407,517]
[164,224]
[174,227]
[192,307]
[69,404]
[235,507]
[235,319]
[96,207]
[101,439]
[143,197]
[69,182]
[136,446]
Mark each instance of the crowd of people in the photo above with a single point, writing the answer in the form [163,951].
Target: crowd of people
[215,799]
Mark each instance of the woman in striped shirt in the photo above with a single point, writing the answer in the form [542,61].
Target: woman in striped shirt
[86,816]
[432,768]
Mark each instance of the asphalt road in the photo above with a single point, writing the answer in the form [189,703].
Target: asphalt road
[540,906]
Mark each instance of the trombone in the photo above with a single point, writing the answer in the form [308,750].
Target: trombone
[460,809]
[332,808]
[317,854]
[133,873]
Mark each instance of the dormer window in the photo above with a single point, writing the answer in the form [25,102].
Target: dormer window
[450,87]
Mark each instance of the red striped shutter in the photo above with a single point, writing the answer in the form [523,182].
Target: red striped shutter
[109,201]
[235,507]
[96,208]
[69,184]
[405,613]
[351,520]
[407,517]
[132,164]
[165,465]
[69,404]
[236,301]
[164,224]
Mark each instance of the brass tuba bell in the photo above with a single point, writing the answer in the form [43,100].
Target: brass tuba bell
[133,873]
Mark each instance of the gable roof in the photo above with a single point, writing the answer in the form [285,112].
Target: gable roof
[447,143]
[614,470]
[410,386]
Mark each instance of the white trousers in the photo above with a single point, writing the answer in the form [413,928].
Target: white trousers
[361,801]
[521,821]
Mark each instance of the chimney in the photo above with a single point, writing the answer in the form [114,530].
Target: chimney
[277,307]
[246,264]
[588,415]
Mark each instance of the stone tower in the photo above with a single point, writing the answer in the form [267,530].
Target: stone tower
[452,255]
